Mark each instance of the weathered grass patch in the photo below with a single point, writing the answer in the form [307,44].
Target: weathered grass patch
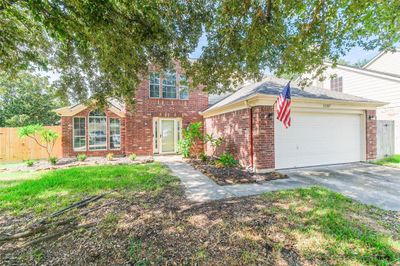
[323,226]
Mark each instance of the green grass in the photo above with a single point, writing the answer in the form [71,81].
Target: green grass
[333,229]
[393,160]
[59,188]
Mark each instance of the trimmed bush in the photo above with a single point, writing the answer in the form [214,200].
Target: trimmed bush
[227,160]
[81,157]
[29,163]
[53,160]
[110,157]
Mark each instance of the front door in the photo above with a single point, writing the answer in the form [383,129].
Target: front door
[167,135]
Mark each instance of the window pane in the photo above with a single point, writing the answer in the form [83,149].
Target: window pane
[97,133]
[183,88]
[169,85]
[79,131]
[154,85]
[115,135]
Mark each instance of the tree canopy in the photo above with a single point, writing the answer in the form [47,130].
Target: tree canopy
[101,48]
[27,99]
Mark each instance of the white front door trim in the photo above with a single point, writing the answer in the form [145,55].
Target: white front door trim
[157,134]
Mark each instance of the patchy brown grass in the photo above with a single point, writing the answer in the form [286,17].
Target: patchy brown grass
[299,227]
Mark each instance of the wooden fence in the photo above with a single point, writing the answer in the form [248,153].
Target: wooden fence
[384,138]
[14,149]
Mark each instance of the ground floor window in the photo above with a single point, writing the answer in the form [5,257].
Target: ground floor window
[115,134]
[79,142]
[97,130]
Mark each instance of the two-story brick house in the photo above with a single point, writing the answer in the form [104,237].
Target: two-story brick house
[327,127]
[163,105]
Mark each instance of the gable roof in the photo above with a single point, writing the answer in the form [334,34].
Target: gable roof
[377,57]
[272,86]
[115,106]
[369,72]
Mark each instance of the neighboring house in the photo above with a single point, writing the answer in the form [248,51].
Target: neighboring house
[378,80]
[163,105]
[327,127]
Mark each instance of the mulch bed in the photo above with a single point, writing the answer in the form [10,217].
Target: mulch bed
[232,175]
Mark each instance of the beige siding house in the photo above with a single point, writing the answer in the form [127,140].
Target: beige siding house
[388,62]
[378,80]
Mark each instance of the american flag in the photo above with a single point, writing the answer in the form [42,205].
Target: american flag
[283,106]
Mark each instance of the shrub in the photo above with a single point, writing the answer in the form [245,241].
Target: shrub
[53,160]
[110,157]
[81,157]
[190,135]
[29,163]
[203,157]
[227,160]
[214,142]
[132,157]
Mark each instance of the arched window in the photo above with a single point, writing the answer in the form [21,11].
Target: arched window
[97,130]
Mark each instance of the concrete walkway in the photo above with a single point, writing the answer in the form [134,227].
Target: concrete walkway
[369,184]
[200,188]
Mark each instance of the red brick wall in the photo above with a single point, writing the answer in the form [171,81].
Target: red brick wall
[139,122]
[235,128]
[263,137]
[371,134]
[137,127]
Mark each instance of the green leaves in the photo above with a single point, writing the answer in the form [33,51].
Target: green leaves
[27,99]
[43,137]
[30,130]
[102,48]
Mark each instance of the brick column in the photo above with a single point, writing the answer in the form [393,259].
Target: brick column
[371,134]
[66,136]
[263,138]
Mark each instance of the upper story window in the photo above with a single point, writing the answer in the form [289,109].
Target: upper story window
[169,85]
[337,84]
[183,88]
[97,130]
[154,85]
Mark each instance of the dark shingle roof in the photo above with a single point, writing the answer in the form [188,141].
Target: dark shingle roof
[273,86]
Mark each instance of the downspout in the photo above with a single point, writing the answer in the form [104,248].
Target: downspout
[251,139]
[251,136]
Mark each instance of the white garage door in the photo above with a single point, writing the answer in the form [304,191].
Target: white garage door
[318,139]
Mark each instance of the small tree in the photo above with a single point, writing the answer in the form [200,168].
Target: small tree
[191,134]
[43,137]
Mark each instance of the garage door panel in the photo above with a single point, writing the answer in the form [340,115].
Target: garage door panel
[318,138]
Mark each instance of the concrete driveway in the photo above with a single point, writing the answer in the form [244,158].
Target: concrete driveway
[366,183]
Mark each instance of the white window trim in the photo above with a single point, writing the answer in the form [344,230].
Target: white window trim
[184,87]
[73,135]
[159,86]
[109,130]
[88,123]
[176,85]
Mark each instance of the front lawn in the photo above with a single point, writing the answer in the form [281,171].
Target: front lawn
[139,227]
[393,161]
[55,189]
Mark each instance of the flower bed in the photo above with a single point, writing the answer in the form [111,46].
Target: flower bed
[232,175]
